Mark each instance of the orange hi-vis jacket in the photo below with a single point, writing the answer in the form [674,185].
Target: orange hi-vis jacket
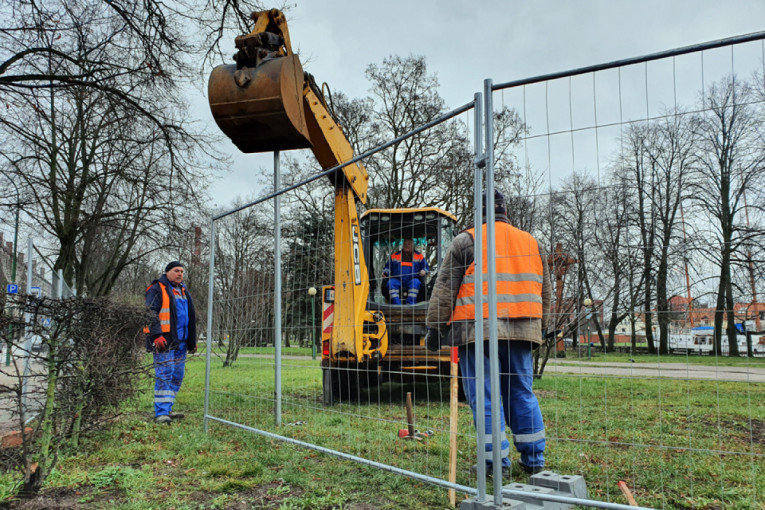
[164,312]
[519,277]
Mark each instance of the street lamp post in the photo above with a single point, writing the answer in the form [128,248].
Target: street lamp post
[312,293]
[587,317]
[13,264]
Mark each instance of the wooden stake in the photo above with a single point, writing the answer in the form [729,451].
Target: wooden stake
[409,414]
[627,493]
[453,393]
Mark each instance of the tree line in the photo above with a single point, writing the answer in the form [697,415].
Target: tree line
[98,142]
[684,191]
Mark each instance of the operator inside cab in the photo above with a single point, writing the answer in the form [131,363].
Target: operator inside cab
[405,271]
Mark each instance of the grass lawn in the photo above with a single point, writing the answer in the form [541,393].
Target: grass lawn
[677,444]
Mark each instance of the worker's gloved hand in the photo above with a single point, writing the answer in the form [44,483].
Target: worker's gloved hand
[433,339]
[422,272]
[160,344]
[192,349]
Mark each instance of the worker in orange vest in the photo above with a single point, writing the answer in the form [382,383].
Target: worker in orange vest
[170,337]
[523,304]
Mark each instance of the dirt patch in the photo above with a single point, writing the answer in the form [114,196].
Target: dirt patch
[55,498]
[758,431]
[269,495]
[742,428]
[266,496]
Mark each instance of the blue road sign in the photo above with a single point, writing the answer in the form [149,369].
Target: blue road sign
[13,288]
[46,322]
[36,290]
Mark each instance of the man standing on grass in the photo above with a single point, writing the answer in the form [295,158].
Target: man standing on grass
[170,336]
[523,306]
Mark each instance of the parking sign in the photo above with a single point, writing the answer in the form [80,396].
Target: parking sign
[13,288]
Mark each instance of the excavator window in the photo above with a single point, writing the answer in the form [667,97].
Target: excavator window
[383,233]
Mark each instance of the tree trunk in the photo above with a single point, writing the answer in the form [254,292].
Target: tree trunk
[662,307]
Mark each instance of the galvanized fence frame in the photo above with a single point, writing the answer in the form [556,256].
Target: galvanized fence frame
[476,104]
[483,107]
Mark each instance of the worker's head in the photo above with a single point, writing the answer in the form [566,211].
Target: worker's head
[408,247]
[500,206]
[174,272]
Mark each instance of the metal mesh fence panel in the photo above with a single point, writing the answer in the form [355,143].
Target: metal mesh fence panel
[355,405]
[642,182]
[631,170]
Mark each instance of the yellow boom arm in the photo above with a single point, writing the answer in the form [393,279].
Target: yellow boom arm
[266,103]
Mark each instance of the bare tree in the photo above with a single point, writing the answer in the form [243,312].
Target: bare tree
[730,137]
[244,280]
[670,149]
[576,212]
[95,124]
[636,159]
[612,236]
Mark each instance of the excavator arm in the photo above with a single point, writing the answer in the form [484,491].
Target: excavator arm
[265,102]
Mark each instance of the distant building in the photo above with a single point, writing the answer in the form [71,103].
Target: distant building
[39,278]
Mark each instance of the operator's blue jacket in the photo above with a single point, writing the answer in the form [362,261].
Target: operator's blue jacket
[395,268]
[154,302]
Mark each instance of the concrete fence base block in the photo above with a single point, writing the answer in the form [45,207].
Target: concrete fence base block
[570,485]
[508,504]
[531,496]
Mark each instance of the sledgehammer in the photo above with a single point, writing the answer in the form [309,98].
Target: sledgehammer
[408,432]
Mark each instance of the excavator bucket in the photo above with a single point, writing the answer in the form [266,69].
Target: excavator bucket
[261,108]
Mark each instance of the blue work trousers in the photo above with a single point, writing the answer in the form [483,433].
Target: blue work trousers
[169,367]
[519,405]
[412,286]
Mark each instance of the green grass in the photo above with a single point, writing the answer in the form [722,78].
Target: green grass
[286,351]
[677,444]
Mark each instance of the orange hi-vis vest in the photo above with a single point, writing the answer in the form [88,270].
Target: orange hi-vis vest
[164,312]
[416,257]
[519,277]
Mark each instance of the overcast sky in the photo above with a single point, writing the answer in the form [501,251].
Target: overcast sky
[466,42]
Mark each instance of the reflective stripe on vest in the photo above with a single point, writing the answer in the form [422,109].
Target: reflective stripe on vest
[519,277]
[416,257]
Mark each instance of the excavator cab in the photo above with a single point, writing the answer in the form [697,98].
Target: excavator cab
[383,232]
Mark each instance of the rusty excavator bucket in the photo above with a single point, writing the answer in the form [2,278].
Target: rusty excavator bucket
[258,102]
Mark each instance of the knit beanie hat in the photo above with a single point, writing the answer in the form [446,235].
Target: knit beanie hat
[173,264]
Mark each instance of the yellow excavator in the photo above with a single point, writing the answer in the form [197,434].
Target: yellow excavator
[266,102]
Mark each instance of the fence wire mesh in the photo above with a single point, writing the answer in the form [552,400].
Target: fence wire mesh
[643,184]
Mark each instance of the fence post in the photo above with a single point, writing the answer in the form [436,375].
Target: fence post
[496,418]
[480,418]
[208,347]
[277,297]
[28,332]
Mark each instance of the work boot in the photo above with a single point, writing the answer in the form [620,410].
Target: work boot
[163,419]
[532,470]
[177,416]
